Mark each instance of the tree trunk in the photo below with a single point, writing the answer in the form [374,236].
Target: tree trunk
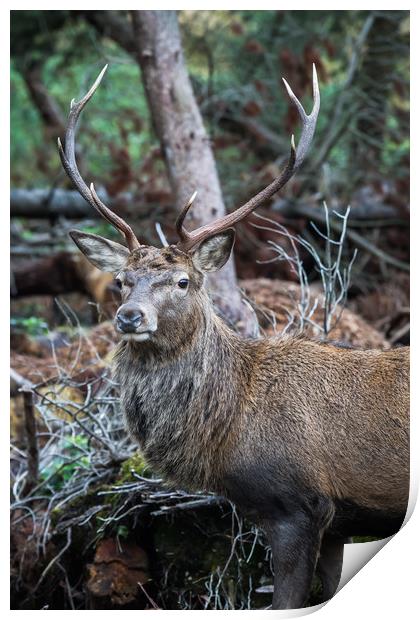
[184,142]
[51,115]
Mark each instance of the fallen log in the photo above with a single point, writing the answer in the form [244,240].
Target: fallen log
[54,203]
[53,275]
[366,214]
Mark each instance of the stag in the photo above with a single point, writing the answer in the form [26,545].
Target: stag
[309,439]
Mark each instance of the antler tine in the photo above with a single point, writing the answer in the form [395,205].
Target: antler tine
[308,121]
[183,233]
[68,159]
[190,239]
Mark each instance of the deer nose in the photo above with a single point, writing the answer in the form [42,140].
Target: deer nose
[129,319]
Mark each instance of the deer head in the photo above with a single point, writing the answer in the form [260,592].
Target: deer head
[162,287]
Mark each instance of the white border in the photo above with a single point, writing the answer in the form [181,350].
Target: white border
[387,586]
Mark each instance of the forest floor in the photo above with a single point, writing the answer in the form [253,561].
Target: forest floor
[92,527]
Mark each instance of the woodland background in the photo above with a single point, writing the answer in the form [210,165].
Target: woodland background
[90,522]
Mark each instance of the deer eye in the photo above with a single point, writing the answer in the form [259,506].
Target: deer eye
[118,283]
[183,283]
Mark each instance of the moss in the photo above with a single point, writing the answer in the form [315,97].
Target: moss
[134,465]
[363,539]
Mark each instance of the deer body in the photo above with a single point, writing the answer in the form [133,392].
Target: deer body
[308,438]
[289,429]
[225,401]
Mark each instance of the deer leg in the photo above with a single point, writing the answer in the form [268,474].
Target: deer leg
[295,543]
[330,564]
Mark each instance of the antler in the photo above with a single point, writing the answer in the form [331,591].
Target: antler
[68,160]
[190,239]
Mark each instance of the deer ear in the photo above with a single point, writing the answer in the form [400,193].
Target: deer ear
[104,254]
[214,252]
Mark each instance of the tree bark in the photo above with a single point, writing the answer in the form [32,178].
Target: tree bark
[184,142]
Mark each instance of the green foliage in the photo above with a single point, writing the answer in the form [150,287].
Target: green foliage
[26,134]
[33,325]
[122,532]
[236,59]
[111,112]
[70,457]
[102,228]
[114,116]
[40,27]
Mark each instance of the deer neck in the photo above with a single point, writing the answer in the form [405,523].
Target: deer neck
[179,405]
[200,336]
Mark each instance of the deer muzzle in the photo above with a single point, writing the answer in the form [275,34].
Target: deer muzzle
[135,322]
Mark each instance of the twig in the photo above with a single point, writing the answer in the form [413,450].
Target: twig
[198,503]
[400,333]
[54,560]
[31,441]
[147,595]
[360,241]
[161,235]
[17,382]
[335,279]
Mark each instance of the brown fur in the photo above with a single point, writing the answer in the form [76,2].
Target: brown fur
[307,436]
[333,411]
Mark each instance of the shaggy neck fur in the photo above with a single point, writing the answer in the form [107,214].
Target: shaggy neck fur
[178,397]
